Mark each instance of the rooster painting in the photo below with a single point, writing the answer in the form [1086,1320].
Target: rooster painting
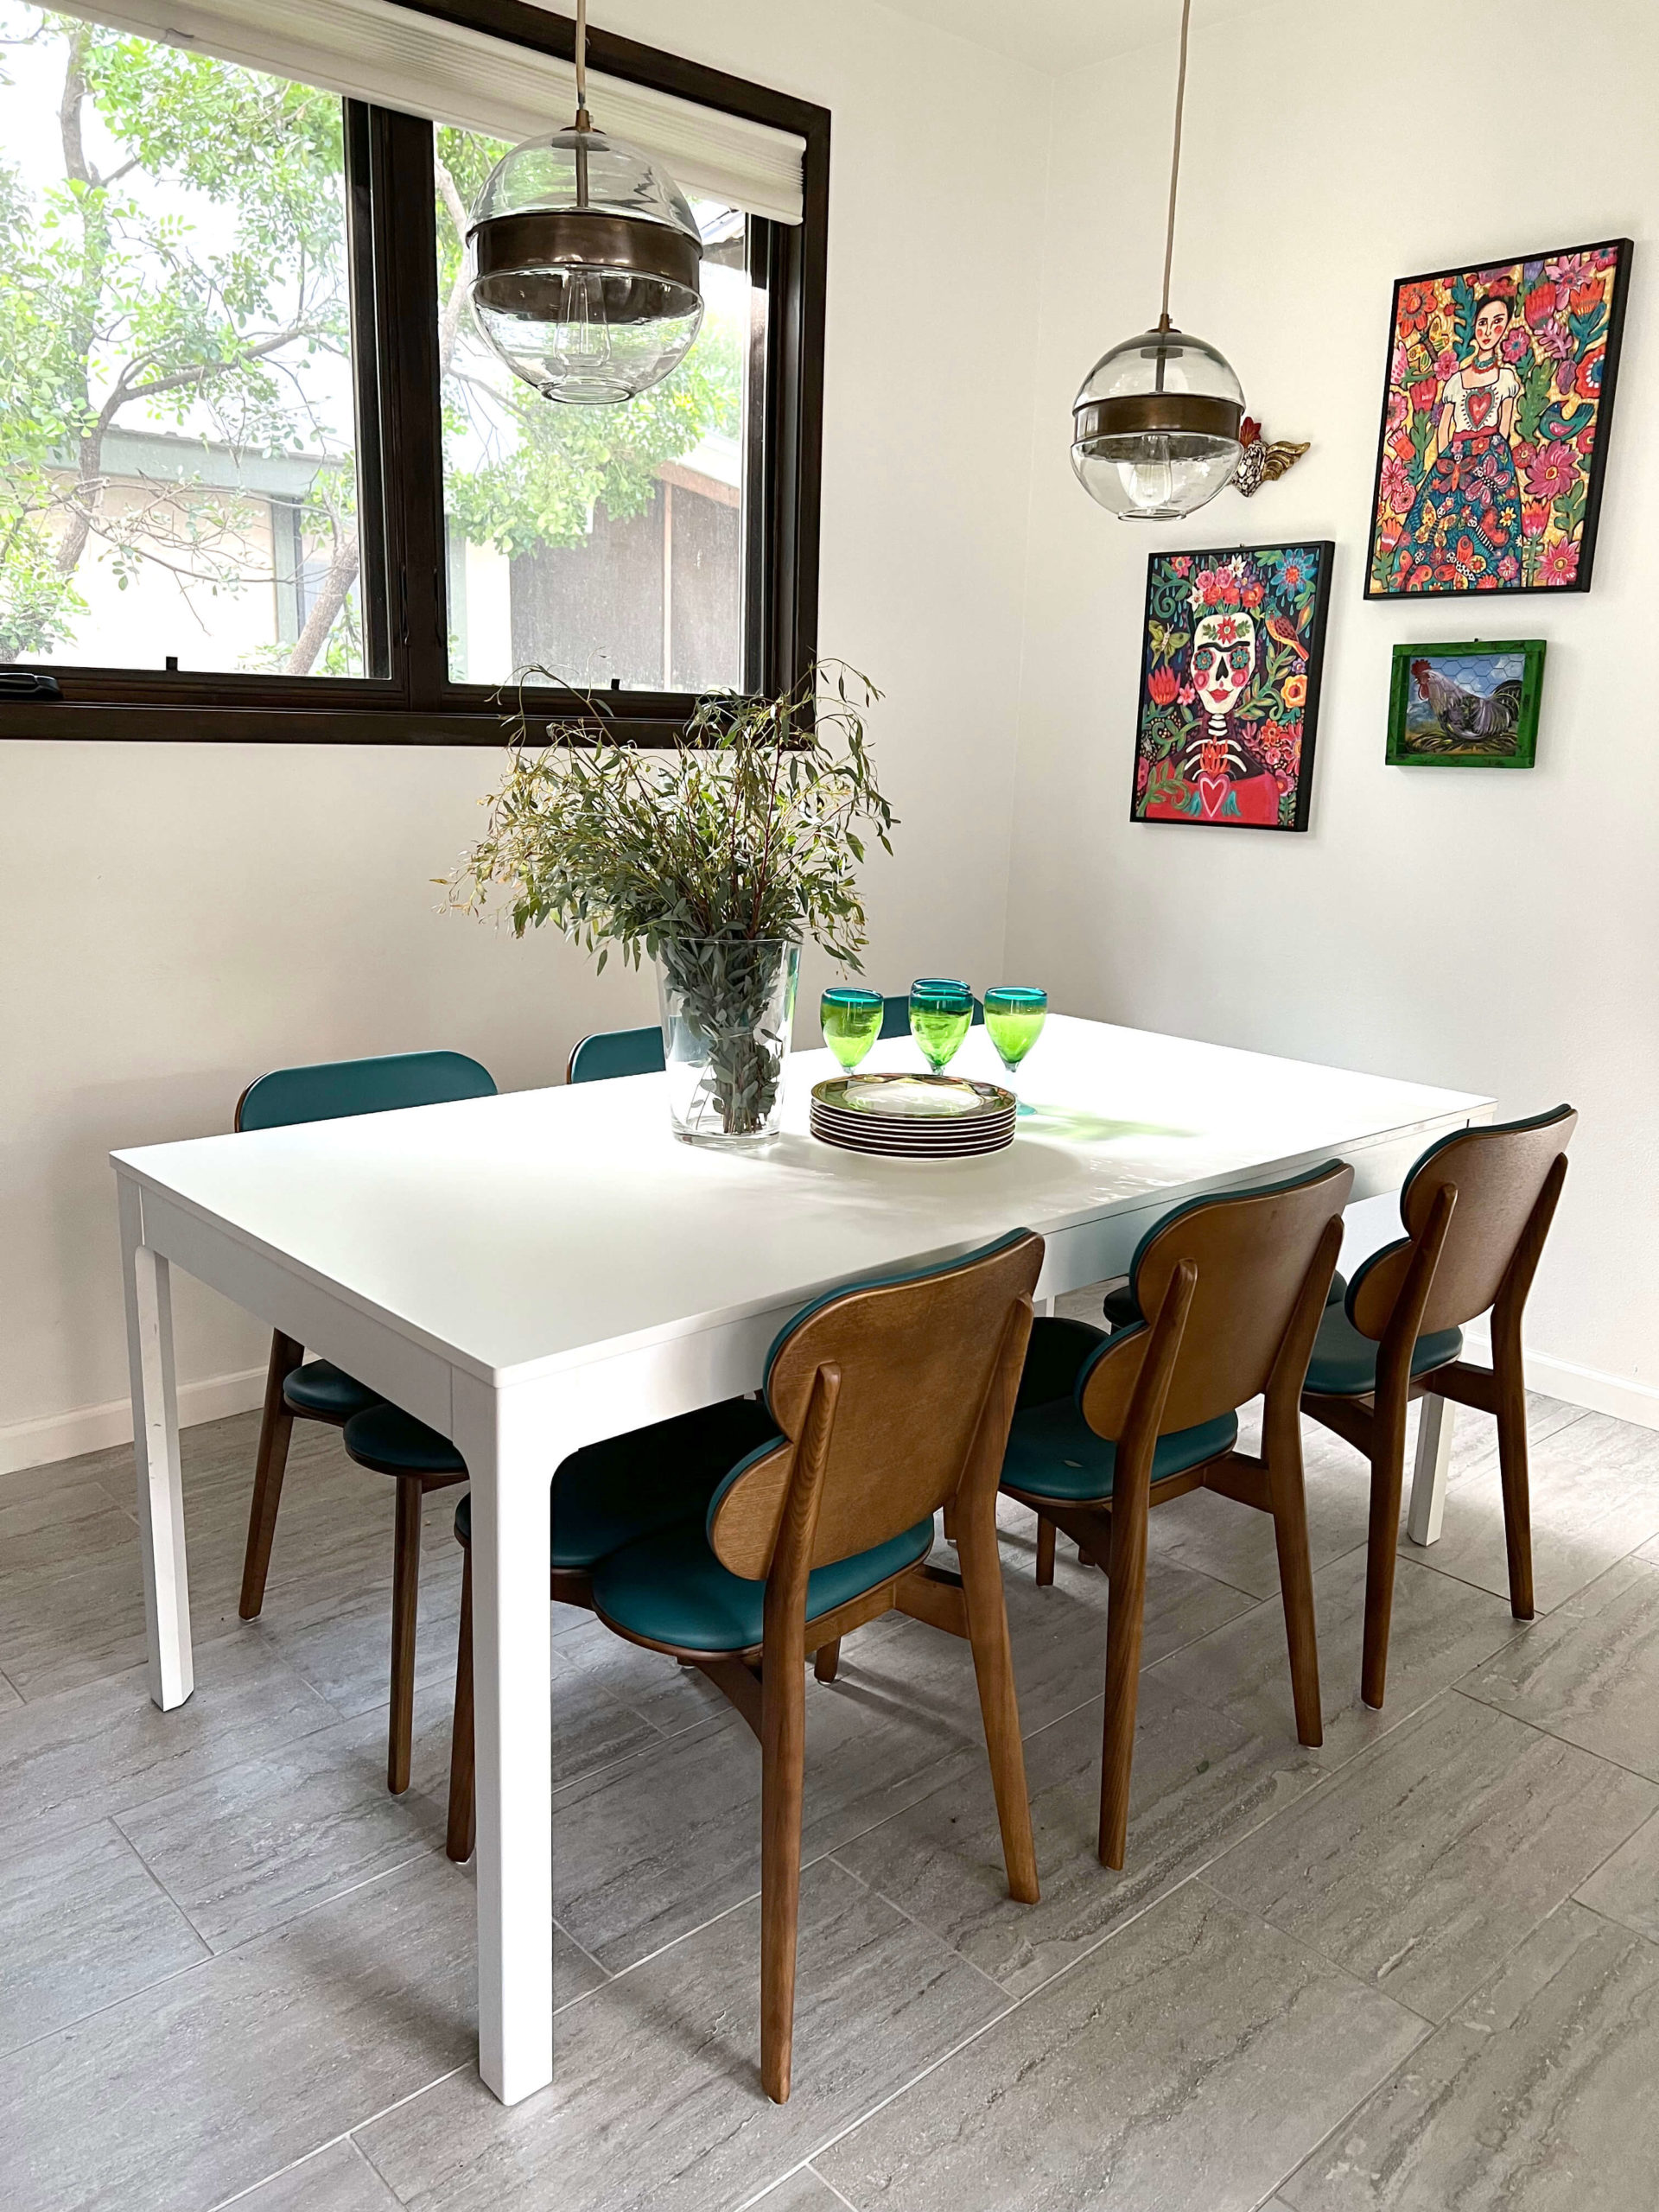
[1465,705]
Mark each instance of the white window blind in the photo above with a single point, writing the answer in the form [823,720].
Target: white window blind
[371,50]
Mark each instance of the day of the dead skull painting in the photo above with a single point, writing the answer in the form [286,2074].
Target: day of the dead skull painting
[1229,687]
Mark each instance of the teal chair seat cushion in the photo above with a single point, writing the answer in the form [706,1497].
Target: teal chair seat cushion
[1343,1364]
[1054,1453]
[395,1443]
[670,1588]
[327,1393]
[1123,1311]
[610,1494]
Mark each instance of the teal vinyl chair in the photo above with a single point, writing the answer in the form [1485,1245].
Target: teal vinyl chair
[1476,1209]
[781,1527]
[1108,1426]
[301,1389]
[610,1052]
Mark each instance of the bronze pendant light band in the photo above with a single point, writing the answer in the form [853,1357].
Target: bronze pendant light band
[514,246]
[1145,413]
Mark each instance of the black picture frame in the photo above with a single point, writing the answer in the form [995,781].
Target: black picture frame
[1595,472]
[1259,560]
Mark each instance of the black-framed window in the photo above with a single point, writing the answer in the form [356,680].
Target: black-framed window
[260,482]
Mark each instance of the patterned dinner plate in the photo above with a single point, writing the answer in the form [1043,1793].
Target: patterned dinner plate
[911,1099]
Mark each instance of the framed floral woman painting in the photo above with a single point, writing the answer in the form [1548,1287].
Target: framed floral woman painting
[1495,415]
[1229,686]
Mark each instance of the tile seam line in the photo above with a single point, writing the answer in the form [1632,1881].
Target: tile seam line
[1554,1735]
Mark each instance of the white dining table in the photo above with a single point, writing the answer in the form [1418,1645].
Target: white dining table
[532,1272]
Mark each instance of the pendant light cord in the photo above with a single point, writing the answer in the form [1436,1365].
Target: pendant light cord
[1175,161]
[581,59]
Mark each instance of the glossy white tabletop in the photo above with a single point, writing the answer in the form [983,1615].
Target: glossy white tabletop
[518,1233]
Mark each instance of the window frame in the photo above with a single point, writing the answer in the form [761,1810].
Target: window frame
[408,697]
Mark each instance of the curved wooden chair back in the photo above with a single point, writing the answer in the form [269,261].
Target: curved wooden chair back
[328,1089]
[1497,1179]
[893,1393]
[610,1052]
[1244,1268]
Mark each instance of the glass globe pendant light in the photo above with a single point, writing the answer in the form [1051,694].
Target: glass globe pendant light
[1155,428]
[584,261]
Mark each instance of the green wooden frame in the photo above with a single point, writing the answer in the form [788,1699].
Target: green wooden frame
[1526,735]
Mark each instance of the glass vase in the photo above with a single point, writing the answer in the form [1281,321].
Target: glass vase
[726,1004]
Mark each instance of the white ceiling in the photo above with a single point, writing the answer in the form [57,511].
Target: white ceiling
[1064,34]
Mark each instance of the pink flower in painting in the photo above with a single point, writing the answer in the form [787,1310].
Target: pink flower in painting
[1554,470]
[1182,564]
[1397,412]
[1445,362]
[1509,568]
[1569,269]
[1187,695]
[1534,518]
[1555,340]
[1560,563]
[1396,485]
[1517,346]
[1399,368]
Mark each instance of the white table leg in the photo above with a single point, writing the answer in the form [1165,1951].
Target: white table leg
[156,1452]
[511,1462]
[1429,1475]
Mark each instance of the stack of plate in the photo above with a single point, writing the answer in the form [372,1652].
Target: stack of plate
[913,1116]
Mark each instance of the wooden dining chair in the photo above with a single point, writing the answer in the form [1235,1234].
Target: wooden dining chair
[1108,1426]
[609,1053]
[301,1389]
[1476,1209]
[884,1401]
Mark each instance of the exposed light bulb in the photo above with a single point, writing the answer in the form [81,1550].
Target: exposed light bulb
[580,338]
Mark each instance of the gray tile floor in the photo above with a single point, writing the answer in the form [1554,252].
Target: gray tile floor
[1418,1969]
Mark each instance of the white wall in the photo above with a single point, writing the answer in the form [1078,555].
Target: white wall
[174,919]
[1494,932]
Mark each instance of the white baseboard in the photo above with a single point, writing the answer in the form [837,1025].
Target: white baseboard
[95,1428]
[1594,1388]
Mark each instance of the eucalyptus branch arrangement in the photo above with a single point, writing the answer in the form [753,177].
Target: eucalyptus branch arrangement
[716,860]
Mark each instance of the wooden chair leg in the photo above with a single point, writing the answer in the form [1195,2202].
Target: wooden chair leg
[1387,1479]
[1125,1613]
[987,1636]
[1517,1489]
[782,1758]
[1045,1551]
[463,1815]
[405,1605]
[275,1426]
[826,1659]
[1286,1489]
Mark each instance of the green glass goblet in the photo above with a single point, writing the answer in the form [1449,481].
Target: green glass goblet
[852,1023]
[941,1009]
[1014,1014]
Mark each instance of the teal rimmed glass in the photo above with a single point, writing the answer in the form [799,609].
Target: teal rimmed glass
[852,1021]
[940,1011]
[1014,1014]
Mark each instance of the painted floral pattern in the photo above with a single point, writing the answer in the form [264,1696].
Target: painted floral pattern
[1489,435]
[1229,682]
